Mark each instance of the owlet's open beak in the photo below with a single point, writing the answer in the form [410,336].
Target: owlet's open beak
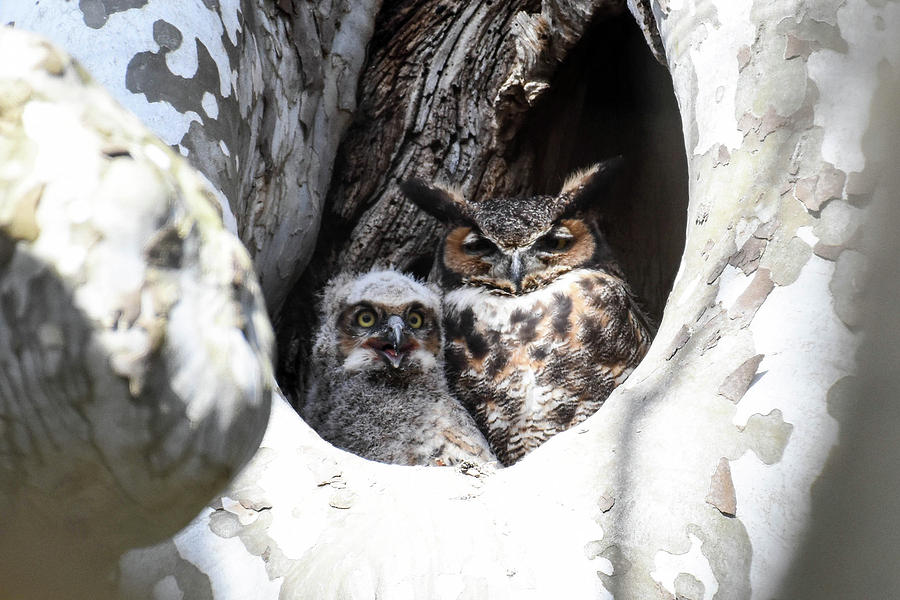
[392,343]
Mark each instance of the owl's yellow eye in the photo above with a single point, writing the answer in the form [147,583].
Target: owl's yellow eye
[365,318]
[476,245]
[415,320]
[558,241]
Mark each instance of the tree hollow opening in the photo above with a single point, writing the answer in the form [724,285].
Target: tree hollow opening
[608,97]
[611,97]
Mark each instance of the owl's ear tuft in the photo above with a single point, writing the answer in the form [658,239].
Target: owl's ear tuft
[584,186]
[445,204]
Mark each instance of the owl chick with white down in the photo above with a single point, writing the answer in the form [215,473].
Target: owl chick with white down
[541,325]
[378,386]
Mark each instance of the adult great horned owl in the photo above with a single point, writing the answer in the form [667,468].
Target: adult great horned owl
[378,385]
[540,324]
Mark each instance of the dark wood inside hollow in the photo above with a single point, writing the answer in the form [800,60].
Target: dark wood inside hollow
[612,97]
[608,97]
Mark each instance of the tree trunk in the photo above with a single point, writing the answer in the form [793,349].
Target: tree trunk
[852,545]
[781,178]
[134,348]
[256,94]
[493,99]
[699,476]
[695,479]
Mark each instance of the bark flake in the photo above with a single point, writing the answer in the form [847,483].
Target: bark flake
[721,490]
[17,219]
[786,264]
[766,230]
[688,587]
[724,156]
[744,55]
[97,12]
[669,566]
[752,298]
[847,286]
[735,385]
[747,258]
[621,564]
[605,503]
[684,334]
[342,499]
[815,191]
[795,47]
[767,435]
[717,270]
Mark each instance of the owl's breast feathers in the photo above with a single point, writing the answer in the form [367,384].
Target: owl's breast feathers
[533,365]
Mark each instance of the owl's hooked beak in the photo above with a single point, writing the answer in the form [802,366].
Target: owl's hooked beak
[392,344]
[516,271]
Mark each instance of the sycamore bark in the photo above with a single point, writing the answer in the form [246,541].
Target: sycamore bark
[134,347]
[699,478]
[255,94]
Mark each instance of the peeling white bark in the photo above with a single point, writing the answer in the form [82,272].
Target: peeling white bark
[752,140]
[852,547]
[714,68]
[256,98]
[670,566]
[635,503]
[784,332]
[134,374]
[327,524]
[675,488]
[847,80]
[126,33]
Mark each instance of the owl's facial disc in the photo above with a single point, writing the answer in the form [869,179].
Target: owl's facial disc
[518,269]
[388,334]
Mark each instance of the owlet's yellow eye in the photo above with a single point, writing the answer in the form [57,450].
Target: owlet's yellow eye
[561,243]
[365,318]
[415,320]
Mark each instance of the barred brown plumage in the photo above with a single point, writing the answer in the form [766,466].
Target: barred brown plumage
[540,323]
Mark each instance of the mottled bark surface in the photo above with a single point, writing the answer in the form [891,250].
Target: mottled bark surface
[852,547]
[134,348]
[256,95]
[700,476]
[498,99]
[697,477]
[781,180]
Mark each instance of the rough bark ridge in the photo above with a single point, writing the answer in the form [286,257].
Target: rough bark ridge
[447,95]
[256,96]
[134,348]
[311,71]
